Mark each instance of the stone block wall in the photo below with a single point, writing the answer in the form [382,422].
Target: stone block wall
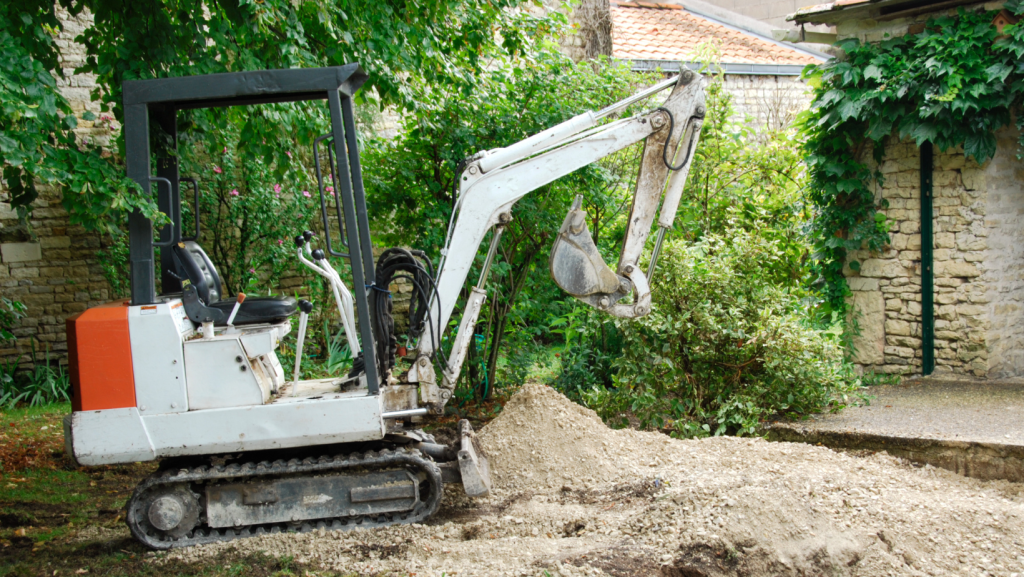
[978,261]
[1003,270]
[768,101]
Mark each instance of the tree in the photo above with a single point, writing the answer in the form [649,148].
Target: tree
[400,44]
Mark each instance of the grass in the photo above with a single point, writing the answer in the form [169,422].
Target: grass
[58,519]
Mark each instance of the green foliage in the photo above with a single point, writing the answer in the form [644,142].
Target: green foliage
[746,177]
[10,312]
[724,346]
[410,179]
[953,84]
[592,343]
[46,383]
[37,142]
[251,205]
[113,261]
[399,44]
[339,357]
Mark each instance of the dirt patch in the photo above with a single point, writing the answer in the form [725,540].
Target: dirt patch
[24,447]
[573,497]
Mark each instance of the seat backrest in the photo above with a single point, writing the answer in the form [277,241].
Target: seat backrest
[193,264]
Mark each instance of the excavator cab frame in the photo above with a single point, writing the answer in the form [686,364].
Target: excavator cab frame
[159,100]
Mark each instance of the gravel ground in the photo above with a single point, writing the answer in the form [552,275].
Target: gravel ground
[573,497]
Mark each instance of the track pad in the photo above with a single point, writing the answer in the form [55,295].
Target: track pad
[576,264]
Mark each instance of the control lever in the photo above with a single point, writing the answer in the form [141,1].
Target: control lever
[305,307]
[234,311]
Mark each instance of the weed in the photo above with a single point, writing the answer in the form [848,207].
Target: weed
[46,383]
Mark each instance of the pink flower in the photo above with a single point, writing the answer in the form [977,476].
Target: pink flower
[277,196]
[217,169]
[306,194]
[329,189]
[279,242]
[288,153]
[225,150]
[234,192]
[252,271]
[277,188]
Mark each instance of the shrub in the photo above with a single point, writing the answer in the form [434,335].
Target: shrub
[46,383]
[724,346]
[592,343]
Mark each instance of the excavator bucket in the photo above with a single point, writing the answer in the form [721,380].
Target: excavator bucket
[476,474]
[576,264]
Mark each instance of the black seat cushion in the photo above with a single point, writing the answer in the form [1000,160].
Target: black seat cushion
[257,310]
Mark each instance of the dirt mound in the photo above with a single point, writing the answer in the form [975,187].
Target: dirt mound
[542,440]
[573,497]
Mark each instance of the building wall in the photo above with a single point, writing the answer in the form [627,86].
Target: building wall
[978,260]
[773,12]
[1004,262]
[768,101]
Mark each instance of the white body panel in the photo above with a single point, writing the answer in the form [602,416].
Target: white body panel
[124,436]
[219,375]
[108,436]
[156,333]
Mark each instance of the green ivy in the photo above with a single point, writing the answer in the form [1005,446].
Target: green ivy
[37,139]
[953,84]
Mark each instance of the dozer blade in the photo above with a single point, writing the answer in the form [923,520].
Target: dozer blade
[476,474]
[576,264]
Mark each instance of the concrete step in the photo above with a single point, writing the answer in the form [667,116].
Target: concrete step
[971,427]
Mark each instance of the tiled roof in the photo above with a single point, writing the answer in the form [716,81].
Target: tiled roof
[650,31]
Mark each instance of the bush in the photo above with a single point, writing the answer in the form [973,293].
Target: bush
[46,383]
[592,343]
[724,346]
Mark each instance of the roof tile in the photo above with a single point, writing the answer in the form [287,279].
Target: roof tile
[643,30]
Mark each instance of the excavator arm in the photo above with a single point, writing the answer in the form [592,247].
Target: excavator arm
[493,181]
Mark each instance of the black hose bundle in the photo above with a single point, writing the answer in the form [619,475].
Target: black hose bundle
[414,266]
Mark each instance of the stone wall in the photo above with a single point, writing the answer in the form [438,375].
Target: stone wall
[1004,262]
[978,260]
[769,101]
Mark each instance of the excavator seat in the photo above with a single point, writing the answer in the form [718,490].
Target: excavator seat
[193,264]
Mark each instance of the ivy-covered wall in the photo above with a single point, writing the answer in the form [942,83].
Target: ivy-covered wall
[951,77]
[51,266]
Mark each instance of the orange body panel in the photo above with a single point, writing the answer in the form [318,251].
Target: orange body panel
[100,358]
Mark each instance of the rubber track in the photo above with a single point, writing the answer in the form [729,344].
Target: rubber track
[374,460]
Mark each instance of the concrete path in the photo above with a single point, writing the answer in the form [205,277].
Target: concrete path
[974,428]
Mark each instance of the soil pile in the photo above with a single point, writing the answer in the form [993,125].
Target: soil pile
[573,497]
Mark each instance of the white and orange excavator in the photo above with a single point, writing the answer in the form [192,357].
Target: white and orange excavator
[191,378]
